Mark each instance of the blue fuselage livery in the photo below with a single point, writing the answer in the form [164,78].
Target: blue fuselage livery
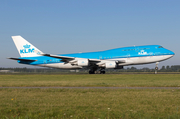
[126,52]
[95,61]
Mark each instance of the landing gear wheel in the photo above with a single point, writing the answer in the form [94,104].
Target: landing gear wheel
[98,72]
[103,72]
[91,72]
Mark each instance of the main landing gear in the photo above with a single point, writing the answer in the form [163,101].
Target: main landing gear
[102,71]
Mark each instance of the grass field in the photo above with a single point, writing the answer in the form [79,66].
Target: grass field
[90,103]
[109,80]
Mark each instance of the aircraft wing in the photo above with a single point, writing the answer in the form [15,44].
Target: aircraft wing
[28,60]
[67,59]
[64,58]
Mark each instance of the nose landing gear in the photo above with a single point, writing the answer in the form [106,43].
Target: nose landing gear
[156,68]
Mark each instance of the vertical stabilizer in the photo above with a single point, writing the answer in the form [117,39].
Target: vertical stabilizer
[25,48]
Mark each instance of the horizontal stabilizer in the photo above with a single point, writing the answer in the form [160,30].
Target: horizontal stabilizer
[27,60]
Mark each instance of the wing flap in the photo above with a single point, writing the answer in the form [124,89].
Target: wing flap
[94,60]
[120,61]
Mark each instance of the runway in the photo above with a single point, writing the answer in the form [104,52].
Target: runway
[89,87]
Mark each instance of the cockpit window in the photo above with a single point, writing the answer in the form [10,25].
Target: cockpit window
[160,47]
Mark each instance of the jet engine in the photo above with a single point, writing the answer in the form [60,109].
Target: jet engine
[82,62]
[110,65]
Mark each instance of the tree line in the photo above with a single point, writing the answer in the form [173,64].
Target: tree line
[173,68]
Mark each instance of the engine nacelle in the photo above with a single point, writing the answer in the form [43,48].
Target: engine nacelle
[110,65]
[82,62]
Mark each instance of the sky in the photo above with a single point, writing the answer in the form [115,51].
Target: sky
[70,26]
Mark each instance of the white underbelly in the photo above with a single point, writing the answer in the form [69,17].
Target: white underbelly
[145,60]
[128,61]
[61,66]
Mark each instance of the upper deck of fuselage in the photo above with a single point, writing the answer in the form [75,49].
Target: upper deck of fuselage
[123,52]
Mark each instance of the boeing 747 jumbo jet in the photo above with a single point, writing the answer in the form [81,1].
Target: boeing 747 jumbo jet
[96,62]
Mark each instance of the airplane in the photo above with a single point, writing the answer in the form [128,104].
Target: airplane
[96,62]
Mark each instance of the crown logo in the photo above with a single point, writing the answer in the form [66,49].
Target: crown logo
[26,46]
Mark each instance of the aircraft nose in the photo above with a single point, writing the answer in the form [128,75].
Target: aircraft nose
[171,52]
